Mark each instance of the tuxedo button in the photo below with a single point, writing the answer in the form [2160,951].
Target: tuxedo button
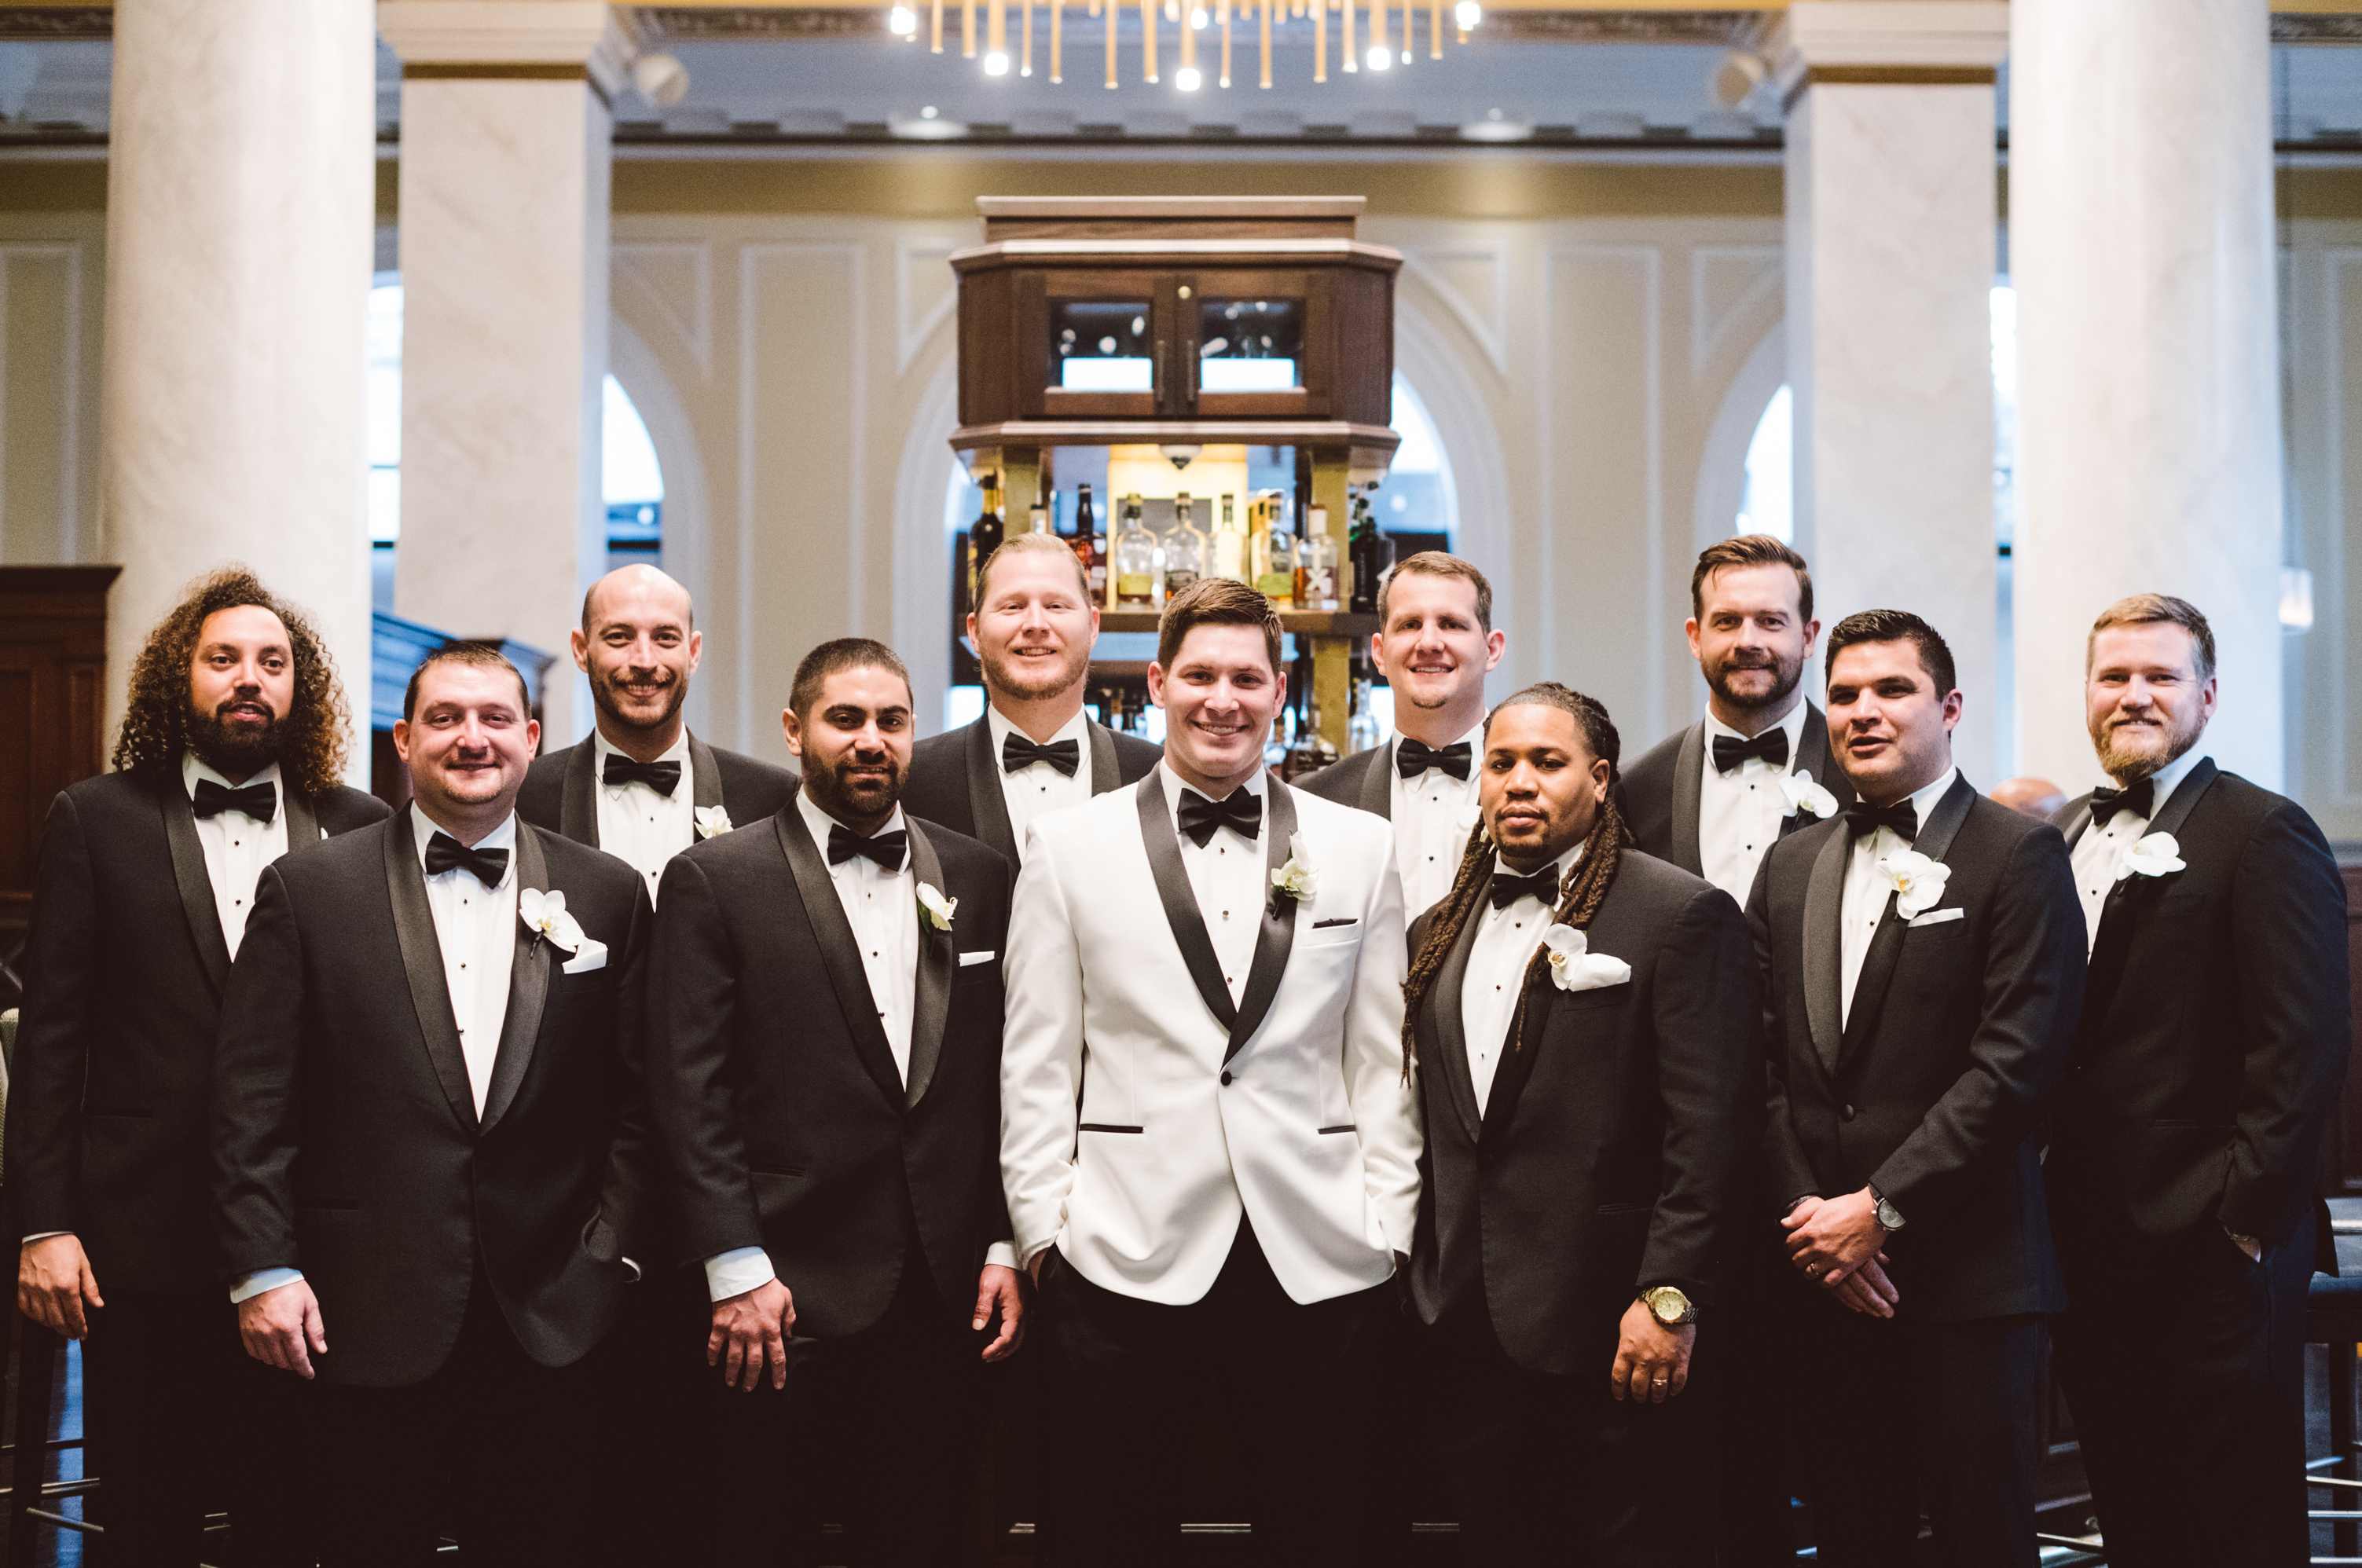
[1845,1113]
[1226,1078]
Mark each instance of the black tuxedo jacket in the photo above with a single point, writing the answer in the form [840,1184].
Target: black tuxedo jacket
[1936,1088]
[561,789]
[1659,793]
[346,1139]
[2215,1028]
[955,779]
[1613,1150]
[125,966]
[1363,780]
[777,1101]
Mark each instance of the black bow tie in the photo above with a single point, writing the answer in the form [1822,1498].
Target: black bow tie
[1898,819]
[445,853]
[2140,800]
[887,851]
[1770,748]
[1542,885]
[1415,757]
[664,777]
[1242,813]
[259,802]
[1022,751]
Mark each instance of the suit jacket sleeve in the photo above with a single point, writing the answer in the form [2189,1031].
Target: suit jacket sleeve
[625,1199]
[1384,1095]
[1785,1166]
[1041,1054]
[2288,916]
[2033,995]
[692,987]
[44,1152]
[1710,1074]
[256,1060]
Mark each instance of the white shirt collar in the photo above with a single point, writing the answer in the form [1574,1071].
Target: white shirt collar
[1794,724]
[2167,779]
[1072,729]
[817,824]
[1924,800]
[676,752]
[422,828]
[1174,785]
[194,767]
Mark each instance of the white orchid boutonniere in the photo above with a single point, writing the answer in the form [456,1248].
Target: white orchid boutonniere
[1575,967]
[543,911]
[1918,882]
[1295,880]
[2155,854]
[1798,792]
[937,909]
[712,821]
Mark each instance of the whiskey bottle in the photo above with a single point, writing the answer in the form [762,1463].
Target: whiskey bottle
[1134,567]
[1277,579]
[1090,547]
[1185,547]
[1315,563]
[983,535]
[1229,546]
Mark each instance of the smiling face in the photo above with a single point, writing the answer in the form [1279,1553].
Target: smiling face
[2144,698]
[1433,650]
[1219,698]
[1750,639]
[1541,787]
[1890,729]
[241,685]
[639,648]
[855,742]
[1036,627]
[467,740]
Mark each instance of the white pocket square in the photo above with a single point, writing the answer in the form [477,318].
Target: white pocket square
[589,955]
[987,956]
[1937,917]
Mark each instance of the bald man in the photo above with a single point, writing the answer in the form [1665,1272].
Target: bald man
[642,787]
[2035,797]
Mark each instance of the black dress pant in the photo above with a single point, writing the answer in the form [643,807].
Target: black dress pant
[1741,1373]
[1553,1468]
[1132,1379]
[2182,1362]
[1898,1415]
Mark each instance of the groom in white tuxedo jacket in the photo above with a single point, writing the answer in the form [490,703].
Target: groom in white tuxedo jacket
[1208,1142]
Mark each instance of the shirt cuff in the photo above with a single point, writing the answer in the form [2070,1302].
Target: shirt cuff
[262,1280]
[736,1272]
[1001,1254]
[42,1236]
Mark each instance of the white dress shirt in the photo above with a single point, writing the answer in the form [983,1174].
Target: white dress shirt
[1037,786]
[1230,879]
[236,846]
[1432,816]
[2099,855]
[637,824]
[1740,811]
[1866,893]
[1497,956]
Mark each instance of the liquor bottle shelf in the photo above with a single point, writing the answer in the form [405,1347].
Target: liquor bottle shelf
[1298,622]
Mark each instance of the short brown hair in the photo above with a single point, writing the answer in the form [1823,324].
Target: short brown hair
[829,659]
[1435,563]
[1896,626]
[1750,550]
[477,656]
[2143,609]
[1216,601]
[1031,545]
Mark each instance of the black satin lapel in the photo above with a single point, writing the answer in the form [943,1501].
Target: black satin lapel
[1824,947]
[839,953]
[2185,798]
[1813,757]
[530,975]
[422,961]
[1181,912]
[302,822]
[988,806]
[578,807]
[1869,987]
[704,776]
[1528,1025]
[1107,772]
[938,953]
[2075,821]
[1276,937]
[1378,783]
[1448,1030]
[1943,824]
[1689,781]
[2120,910]
[196,883]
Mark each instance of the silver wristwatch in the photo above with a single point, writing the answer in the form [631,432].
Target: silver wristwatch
[1888,1215]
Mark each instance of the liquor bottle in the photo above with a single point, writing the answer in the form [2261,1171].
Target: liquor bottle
[1229,546]
[1363,731]
[984,534]
[1315,563]
[1134,568]
[1041,520]
[1362,553]
[1185,547]
[1090,545]
[1277,579]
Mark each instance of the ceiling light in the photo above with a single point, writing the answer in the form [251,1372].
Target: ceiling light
[929,113]
[1380,56]
[661,79]
[997,63]
[1197,18]
[1466,15]
[1186,79]
[1497,127]
[902,22]
[930,125]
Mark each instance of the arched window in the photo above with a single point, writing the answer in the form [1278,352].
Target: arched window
[1768,503]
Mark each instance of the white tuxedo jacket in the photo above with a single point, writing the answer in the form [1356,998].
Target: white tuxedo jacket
[1120,1140]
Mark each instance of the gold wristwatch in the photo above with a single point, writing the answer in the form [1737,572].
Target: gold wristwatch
[1669,1306]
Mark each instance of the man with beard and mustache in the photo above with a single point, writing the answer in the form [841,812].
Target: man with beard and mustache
[2207,1069]
[643,787]
[1034,750]
[230,754]
[1712,798]
[823,1063]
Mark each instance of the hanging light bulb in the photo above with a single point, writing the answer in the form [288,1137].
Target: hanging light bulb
[1197,18]
[996,63]
[1466,15]
[1379,57]
[902,22]
[1186,79]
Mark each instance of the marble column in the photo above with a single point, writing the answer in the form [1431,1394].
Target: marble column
[240,189]
[505,161]
[2141,248]
[1891,201]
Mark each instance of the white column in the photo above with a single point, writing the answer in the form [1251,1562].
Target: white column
[505,160]
[1891,198]
[240,190]
[2141,249]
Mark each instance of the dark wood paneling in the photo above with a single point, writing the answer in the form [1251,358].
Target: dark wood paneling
[53,712]
[2341,1160]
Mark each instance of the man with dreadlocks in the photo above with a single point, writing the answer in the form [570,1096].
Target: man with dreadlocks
[1584,1023]
[231,754]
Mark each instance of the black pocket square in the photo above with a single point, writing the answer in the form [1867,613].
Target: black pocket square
[1341,920]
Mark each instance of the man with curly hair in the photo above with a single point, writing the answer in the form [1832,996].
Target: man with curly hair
[230,755]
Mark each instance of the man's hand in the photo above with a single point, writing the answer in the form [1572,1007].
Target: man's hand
[53,1280]
[996,1287]
[1868,1290]
[1829,1239]
[2251,1245]
[1652,1361]
[279,1324]
[1033,1267]
[749,1329]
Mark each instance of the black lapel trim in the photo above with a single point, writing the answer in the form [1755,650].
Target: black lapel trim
[1689,782]
[1813,757]
[530,975]
[1107,771]
[986,805]
[1378,783]
[937,952]
[1935,841]
[1824,947]
[422,961]
[197,884]
[839,954]
[1181,912]
[1448,1029]
[2112,944]
[1276,937]
[578,806]
[2078,819]
[704,779]
[302,822]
